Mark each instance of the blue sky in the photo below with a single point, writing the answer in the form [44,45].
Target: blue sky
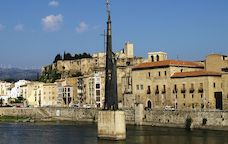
[32,32]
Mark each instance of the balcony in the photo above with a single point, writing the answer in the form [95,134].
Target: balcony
[191,90]
[157,91]
[175,90]
[183,90]
[148,91]
[200,90]
[163,91]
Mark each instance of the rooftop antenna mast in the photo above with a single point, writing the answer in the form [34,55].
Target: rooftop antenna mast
[108,7]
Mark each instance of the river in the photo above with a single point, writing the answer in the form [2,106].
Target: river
[86,133]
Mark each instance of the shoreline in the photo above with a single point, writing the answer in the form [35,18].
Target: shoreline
[217,120]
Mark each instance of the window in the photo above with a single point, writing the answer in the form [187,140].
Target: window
[183,104]
[97,86]
[157,89]
[192,95]
[181,70]
[152,58]
[137,87]
[159,73]
[191,90]
[214,85]
[184,96]
[98,92]
[183,90]
[165,73]
[193,106]
[97,98]
[157,57]
[148,90]
[164,89]
[149,74]
[175,89]
[141,87]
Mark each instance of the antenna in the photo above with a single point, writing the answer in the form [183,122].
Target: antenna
[104,35]
[108,6]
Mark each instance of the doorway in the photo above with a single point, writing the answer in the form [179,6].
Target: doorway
[218,100]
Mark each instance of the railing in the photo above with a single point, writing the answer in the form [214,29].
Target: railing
[148,91]
[175,90]
[200,90]
[163,91]
[157,91]
[183,90]
[191,90]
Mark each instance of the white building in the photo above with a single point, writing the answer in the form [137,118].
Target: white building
[16,90]
[5,88]
[96,90]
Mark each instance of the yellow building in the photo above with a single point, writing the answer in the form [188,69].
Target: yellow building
[152,83]
[46,95]
[216,62]
[200,90]
[28,93]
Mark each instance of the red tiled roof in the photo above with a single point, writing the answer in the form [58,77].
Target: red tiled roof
[195,74]
[166,63]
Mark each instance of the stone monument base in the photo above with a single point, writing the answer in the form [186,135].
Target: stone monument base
[111,125]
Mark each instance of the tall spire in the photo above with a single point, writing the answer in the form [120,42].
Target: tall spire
[111,102]
[108,7]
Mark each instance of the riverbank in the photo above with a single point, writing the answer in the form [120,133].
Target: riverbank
[214,120]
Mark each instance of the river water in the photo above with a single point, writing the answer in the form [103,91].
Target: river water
[86,133]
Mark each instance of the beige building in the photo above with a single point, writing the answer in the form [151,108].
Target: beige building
[65,96]
[28,93]
[216,62]
[152,84]
[65,85]
[181,84]
[46,95]
[201,90]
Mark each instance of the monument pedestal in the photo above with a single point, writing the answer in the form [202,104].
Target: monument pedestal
[111,125]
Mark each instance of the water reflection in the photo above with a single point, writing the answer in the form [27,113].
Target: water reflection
[84,133]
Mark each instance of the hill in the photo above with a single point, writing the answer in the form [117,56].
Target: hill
[15,74]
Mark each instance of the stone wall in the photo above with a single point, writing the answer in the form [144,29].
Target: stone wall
[30,112]
[200,119]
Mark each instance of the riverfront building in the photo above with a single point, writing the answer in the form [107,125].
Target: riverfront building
[181,84]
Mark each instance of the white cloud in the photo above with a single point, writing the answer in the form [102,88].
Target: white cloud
[82,27]
[19,28]
[52,23]
[2,27]
[53,3]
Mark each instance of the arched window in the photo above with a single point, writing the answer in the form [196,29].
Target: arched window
[149,104]
[152,58]
[157,57]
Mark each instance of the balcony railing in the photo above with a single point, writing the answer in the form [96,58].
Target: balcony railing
[157,91]
[191,90]
[148,91]
[183,90]
[175,90]
[200,90]
[163,91]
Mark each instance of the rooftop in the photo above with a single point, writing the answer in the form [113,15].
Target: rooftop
[195,74]
[167,63]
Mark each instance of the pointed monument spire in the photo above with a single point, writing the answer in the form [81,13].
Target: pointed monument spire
[111,102]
